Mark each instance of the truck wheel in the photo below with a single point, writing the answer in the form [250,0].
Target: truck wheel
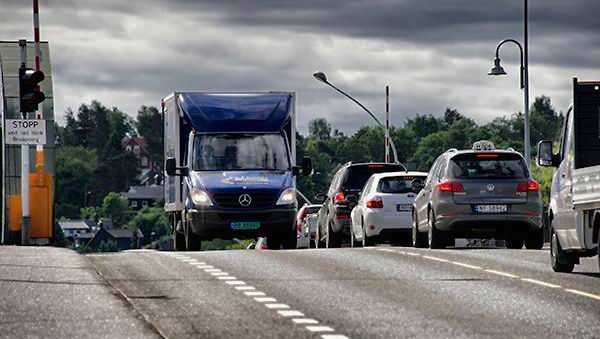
[333,239]
[419,239]
[178,239]
[289,240]
[193,242]
[514,243]
[561,261]
[436,238]
[274,241]
[535,240]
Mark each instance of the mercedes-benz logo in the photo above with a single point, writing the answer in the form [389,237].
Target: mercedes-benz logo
[490,188]
[245,200]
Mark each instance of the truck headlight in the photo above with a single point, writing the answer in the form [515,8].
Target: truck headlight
[200,198]
[287,197]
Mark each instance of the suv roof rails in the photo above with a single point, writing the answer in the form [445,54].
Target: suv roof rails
[510,149]
[450,150]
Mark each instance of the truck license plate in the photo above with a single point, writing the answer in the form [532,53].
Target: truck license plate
[490,208]
[403,207]
[245,225]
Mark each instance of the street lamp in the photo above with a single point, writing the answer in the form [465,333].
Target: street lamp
[524,76]
[323,78]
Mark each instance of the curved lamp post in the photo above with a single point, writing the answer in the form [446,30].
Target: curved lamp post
[323,78]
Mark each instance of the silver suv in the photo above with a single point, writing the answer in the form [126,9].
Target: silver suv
[478,193]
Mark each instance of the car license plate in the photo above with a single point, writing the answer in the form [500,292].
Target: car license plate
[245,225]
[403,207]
[490,208]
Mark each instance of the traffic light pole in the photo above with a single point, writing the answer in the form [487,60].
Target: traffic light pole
[25,221]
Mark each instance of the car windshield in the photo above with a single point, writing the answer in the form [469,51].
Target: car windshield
[357,176]
[488,166]
[400,184]
[240,152]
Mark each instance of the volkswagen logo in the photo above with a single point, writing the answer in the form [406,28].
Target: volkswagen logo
[245,200]
[490,188]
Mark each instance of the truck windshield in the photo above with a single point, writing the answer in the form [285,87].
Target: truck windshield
[227,152]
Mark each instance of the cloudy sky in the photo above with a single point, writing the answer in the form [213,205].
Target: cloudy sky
[433,53]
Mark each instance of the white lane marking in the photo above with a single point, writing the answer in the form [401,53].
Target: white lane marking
[228,277]
[400,252]
[305,321]
[333,336]
[235,282]
[265,299]
[585,294]
[254,293]
[435,258]
[244,288]
[319,328]
[533,281]
[209,270]
[276,306]
[385,250]
[466,265]
[216,274]
[502,273]
[288,313]
[413,254]
[204,267]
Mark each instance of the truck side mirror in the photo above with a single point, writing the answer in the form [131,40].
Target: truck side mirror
[417,184]
[320,198]
[307,166]
[170,166]
[545,158]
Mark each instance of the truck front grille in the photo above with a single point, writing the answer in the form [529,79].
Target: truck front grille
[257,199]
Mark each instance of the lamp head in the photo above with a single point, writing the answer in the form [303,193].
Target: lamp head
[320,76]
[497,69]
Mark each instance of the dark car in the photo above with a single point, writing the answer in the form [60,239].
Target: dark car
[334,216]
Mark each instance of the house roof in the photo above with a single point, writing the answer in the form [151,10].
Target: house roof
[137,140]
[124,233]
[144,192]
[76,224]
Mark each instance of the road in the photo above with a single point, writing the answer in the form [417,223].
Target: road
[381,292]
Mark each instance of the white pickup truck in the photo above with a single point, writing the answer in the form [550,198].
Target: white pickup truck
[574,213]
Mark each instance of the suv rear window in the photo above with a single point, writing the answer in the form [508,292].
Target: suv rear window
[488,166]
[356,176]
[402,184]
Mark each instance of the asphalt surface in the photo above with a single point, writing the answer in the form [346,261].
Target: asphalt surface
[382,292]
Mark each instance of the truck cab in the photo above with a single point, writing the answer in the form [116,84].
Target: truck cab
[574,211]
[230,165]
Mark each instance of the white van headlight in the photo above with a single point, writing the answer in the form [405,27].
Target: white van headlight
[200,198]
[287,197]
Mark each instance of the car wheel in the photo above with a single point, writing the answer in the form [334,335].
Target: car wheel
[514,243]
[435,237]
[178,238]
[535,240]
[561,261]
[419,239]
[193,242]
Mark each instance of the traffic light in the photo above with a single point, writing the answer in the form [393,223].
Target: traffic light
[30,94]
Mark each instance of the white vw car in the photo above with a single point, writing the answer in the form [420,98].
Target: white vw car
[383,212]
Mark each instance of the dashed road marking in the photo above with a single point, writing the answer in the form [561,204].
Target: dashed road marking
[333,336]
[235,282]
[216,274]
[305,321]
[502,273]
[209,270]
[585,294]
[276,306]
[288,313]
[254,293]
[533,281]
[244,288]
[265,299]
[204,267]
[319,328]
[227,277]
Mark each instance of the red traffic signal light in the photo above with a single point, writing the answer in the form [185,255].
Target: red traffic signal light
[30,94]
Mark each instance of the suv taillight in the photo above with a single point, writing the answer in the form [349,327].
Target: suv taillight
[528,186]
[450,187]
[375,202]
[339,198]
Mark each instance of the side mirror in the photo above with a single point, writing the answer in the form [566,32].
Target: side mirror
[170,166]
[307,166]
[320,198]
[417,184]
[545,157]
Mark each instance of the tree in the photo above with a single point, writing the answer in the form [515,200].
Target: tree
[116,208]
[148,220]
[149,125]
[451,116]
[75,168]
[319,129]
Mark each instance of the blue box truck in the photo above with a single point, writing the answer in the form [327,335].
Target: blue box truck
[230,167]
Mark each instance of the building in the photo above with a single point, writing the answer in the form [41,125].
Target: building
[124,239]
[149,169]
[74,227]
[139,197]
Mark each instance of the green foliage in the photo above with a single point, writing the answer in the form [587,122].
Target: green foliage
[75,168]
[543,175]
[108,246]
[116,208]
[89,213]
[148,220]
[149,125]
[319,129]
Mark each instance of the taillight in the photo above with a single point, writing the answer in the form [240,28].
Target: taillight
[450,187]
[375,202]
[339,198]
[299,227]
[528,186]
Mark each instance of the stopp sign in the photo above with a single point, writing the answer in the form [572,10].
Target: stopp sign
[26,131]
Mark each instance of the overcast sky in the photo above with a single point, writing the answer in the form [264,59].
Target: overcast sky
[433,53]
